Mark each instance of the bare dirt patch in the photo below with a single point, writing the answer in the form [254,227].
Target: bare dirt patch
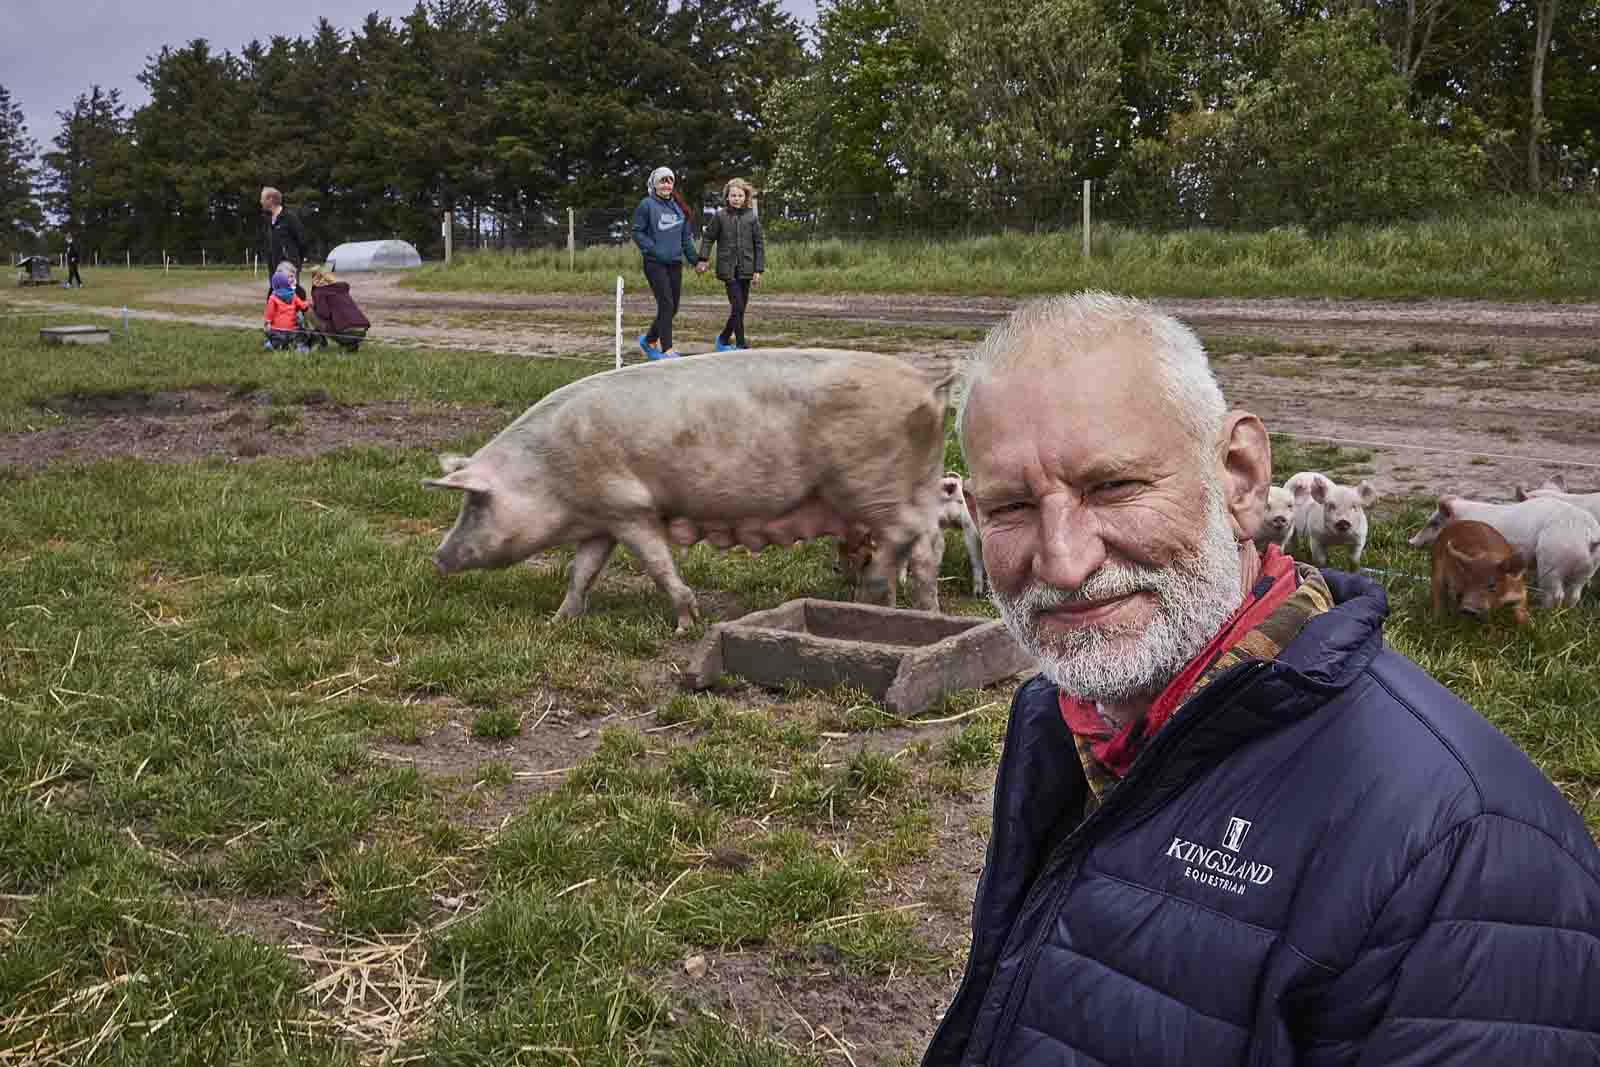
[198,424]
[819,1010]
[553,740]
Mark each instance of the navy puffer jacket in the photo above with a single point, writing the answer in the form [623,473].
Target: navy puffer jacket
[1325,859]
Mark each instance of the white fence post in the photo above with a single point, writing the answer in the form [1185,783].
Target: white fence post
[447,238]
[619,321]
[1086,184]
[572,242]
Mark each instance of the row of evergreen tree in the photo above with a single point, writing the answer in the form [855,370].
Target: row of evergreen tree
[1239,112]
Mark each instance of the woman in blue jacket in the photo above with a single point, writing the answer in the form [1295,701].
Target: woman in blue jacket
[661,230]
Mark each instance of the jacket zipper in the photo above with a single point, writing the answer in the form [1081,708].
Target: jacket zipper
[1068,854]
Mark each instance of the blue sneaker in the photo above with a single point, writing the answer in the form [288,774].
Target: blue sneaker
[650,351]
[723,346]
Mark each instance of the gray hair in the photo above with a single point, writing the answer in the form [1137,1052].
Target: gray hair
[1071,325]
[269,193]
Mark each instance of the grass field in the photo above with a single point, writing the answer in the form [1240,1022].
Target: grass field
[1521,252]
[272,792]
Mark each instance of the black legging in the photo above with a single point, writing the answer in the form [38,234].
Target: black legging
[666,282]
[738,300]
[73,277]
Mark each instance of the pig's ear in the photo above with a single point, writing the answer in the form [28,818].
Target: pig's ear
[1368,493]
[1513,564]
[1520,492]
[449,462]
[1319,491]
[1557,482]
[463,479]
[1447,506]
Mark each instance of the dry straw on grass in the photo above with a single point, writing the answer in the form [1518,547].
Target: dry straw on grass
[372,993]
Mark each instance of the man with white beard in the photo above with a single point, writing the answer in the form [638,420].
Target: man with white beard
[1230,826]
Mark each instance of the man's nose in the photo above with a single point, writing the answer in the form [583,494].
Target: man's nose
[1070,547]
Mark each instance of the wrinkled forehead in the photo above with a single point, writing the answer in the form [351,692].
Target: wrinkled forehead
[1094,407]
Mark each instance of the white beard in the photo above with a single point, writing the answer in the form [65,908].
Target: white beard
[1118,663]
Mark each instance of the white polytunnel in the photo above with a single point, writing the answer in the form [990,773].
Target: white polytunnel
[373,255]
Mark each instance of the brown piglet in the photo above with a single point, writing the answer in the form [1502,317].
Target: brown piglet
[1475,570]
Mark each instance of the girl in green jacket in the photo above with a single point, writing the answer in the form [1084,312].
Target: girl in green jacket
[741,255]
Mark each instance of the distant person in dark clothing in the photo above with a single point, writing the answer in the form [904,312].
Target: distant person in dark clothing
[661,230]
[741,255]
[335,312]
[286,237]
[73,277]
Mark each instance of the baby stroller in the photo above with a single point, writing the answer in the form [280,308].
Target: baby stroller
[335,314]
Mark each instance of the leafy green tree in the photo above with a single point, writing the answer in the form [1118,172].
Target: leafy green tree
[19,210]
[1325,139]
[197,154]
[846,125]
[1031,84]
[88,176]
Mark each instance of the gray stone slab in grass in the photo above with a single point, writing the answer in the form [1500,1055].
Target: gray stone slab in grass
[906,659]
[75,335]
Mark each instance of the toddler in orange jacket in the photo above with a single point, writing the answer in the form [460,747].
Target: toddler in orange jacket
[282,323]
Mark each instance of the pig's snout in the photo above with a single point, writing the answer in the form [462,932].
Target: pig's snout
[1343,526]
[1278,522]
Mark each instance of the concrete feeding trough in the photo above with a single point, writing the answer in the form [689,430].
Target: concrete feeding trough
[906,659]
[75,335]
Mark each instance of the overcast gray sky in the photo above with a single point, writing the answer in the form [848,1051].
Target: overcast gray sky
[52,50]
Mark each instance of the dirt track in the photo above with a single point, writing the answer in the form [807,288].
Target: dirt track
[1464,396]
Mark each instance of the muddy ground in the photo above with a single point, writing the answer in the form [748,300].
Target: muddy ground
[1469,397]
[198,424]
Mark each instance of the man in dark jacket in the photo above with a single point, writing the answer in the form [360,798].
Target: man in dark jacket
[286,237]
[1230,825]
[74,279]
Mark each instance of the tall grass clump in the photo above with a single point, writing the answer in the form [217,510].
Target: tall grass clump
[1519,250]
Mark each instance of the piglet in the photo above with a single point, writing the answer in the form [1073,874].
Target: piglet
[1277,525]
[953,515]
[1475,570]
[1555,488]
[1329,514]
[1559,541]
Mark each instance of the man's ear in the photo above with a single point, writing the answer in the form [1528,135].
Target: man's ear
[1246,472]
